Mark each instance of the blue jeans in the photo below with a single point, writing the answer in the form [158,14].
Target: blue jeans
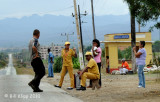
[50,70]
[141,75]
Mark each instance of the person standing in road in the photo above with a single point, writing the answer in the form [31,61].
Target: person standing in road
[141,62]
[67,55]
[50,63]
[36,62]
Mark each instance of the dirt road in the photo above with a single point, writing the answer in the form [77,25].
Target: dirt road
[116,88]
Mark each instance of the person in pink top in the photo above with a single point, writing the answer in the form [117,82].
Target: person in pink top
[96,51]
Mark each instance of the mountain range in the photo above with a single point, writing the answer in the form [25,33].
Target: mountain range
[16,32]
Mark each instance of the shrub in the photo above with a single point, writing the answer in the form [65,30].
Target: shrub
[57,64]
[57,67]
[76,64]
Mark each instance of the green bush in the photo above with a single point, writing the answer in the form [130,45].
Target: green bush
[57,64]
[76,64]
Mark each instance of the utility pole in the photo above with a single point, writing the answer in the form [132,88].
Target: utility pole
[80,26]
[94,33]
[67,35]
[78,37]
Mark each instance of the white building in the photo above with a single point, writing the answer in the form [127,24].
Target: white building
[56,50]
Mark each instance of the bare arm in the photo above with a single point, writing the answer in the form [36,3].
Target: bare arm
[75,55]
[84,70]
[137,54]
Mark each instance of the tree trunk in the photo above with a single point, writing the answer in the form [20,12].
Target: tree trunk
[133,42]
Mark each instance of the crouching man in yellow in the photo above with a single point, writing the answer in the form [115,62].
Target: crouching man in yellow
[93,71]
[67,55]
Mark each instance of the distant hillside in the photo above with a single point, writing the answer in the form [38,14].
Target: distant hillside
[17,32]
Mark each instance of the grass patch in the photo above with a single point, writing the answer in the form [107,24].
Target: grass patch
[26,71]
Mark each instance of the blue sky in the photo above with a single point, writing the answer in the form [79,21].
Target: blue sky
[20,8]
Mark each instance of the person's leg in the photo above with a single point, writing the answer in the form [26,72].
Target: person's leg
[39,70]
[49,70]
[52,70]
[85,76]
[34,65]
[70,70]
[121,71]
[140,71]
[63,72]
[143,77]
[99,66]
[108,69]
[124,70]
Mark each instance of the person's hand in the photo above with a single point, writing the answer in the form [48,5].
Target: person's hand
[80,75]
[51,61]
[36,56]
[74,49]
[78,72]
[92,48]
[134,48]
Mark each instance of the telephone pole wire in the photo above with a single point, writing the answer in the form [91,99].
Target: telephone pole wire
[67,35]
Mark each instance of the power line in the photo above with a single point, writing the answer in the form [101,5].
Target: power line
[67,35]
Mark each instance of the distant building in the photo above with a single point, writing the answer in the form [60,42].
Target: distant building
[115,42]
[56,50]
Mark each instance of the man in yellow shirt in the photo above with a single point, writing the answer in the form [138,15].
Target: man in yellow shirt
[67,55]
[93,71]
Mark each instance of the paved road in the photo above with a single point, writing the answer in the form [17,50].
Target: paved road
[14,88]
[10,70]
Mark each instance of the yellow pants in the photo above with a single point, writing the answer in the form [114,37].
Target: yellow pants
[88,75]
[63,72]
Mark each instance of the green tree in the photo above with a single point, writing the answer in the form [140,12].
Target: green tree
[57,64]
[156,46]
[148,10]
[133,7]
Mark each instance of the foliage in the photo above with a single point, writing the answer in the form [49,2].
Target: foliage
[127,54]
[3,59]
[76,64]
[103,52]
[57,64]
[156,47]
[87,48]
[145,10]
[156,60]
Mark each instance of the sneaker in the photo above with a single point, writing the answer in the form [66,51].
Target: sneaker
[57,86]
[81,88]
[69,88]
[139,86]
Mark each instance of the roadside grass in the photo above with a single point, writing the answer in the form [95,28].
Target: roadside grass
[26,71]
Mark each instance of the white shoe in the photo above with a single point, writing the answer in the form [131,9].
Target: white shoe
[139,86]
